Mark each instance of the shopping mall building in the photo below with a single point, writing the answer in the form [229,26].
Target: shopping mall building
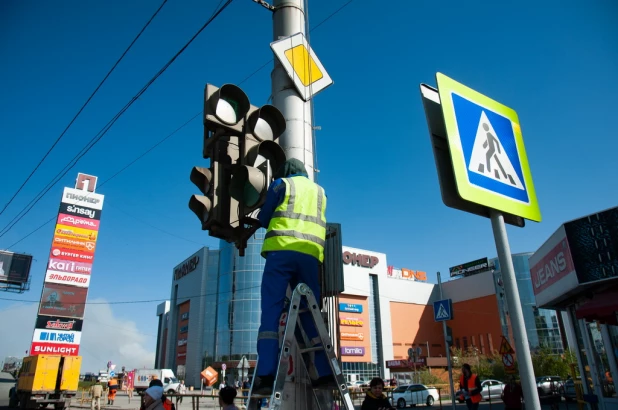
[213,314]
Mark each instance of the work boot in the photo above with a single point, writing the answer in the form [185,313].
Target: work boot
[325,382]
[264,385]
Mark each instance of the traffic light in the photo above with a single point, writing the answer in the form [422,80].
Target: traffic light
[239,140]
[260,157]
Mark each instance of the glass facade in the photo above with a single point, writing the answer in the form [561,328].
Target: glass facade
[542,325]
[210,308]
[238,304]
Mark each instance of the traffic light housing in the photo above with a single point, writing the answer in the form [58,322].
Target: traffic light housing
[239,140]
[260,157]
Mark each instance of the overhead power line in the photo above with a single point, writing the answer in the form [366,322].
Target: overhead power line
[131,302]
[82,108]
[261,67]
[107,127]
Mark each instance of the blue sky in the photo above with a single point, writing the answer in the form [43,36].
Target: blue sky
[553,62]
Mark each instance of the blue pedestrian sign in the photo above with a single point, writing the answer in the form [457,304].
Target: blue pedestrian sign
[112,373]
[487,149]
[442,310]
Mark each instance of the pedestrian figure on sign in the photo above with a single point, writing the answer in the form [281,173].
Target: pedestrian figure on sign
[492,142]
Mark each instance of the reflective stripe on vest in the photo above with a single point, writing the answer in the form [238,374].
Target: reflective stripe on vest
[299,222]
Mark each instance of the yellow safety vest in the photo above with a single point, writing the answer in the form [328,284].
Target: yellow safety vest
[299,222]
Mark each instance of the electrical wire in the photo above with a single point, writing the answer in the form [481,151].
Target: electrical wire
[132,302]
[108,126]
[83,107]
[247,78]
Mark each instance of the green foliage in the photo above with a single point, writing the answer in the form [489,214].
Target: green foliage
[428,378]
[547,364]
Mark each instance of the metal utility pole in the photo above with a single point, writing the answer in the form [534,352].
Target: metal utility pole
[522,349]
[448,349]
[297,140]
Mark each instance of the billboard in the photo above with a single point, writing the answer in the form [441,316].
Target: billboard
[352,351]
[63,301]
[14,267]
[69,268]
[350,307]
[470,268]
[406,274]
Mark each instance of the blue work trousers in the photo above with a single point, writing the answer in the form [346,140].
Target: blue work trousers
[283,268]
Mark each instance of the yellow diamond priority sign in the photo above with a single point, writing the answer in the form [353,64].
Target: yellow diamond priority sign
[302,65]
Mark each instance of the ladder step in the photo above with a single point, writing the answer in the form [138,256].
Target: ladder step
[311,349]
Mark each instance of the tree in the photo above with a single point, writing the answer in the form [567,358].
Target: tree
[545,363]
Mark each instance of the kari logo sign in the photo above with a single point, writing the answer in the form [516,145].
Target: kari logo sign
[69,266]
[56,336]
[71,255]
[78,222]
[54,348]
[75,279]
[352,351]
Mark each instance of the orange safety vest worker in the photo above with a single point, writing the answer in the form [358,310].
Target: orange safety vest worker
[475,398]
[167,404]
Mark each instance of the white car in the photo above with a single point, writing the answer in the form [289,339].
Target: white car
[413,394]
[493,387]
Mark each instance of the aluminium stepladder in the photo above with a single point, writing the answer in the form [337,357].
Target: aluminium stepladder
[292,388]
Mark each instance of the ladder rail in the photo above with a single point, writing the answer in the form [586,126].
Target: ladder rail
[291,343]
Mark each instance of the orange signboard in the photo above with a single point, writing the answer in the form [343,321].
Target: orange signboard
[352,336]
[351,321]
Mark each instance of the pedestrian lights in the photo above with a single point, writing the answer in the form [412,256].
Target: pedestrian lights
[239,140]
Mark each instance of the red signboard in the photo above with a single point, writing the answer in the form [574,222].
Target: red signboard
[54,348]
[552,267]
[63,300]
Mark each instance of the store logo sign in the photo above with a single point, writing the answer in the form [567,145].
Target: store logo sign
[365,261]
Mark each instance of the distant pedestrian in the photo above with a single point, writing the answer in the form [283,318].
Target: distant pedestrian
[512,395]
[246,386]
[96,391]
[182,389]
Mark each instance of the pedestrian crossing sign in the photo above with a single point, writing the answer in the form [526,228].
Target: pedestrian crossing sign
[487,150]
[442,310]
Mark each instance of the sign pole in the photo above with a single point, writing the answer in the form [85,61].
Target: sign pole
[522,349]
[448,350]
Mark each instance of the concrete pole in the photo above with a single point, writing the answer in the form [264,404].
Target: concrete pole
[297,140]
[522,347]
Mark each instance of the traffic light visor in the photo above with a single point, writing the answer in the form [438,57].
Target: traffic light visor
[202,178]
[248,185]
[267,123]
[201,207]
[231,104]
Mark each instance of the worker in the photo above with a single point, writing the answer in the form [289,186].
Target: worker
[96,391]
[152,398]
[470,385]
[167,403]
[112,386]
[294,214]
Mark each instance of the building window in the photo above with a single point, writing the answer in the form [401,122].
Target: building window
[184,329]
[184,316]
[457,345]
[465,342]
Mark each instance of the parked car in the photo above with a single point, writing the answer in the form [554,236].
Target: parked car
[569,390]
[490,386]
[549,385]
[413,394]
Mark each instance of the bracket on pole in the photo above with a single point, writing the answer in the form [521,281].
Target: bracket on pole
[265,4]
